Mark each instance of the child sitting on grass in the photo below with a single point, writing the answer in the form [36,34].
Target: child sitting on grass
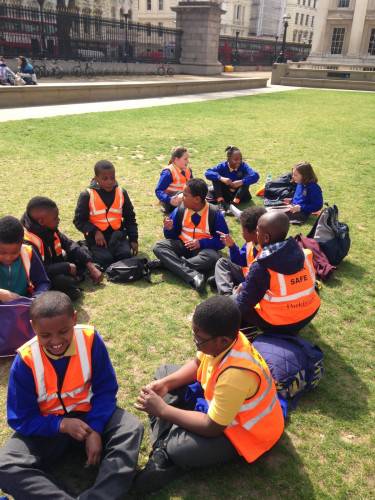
[106,217]
[62,394]
[41,221]
[229,273]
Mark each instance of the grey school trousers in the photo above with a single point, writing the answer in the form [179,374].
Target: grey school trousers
[23,461]
[227,276]
[183,263]
[184,448]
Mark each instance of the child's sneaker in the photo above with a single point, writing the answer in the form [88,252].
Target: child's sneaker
[157,473]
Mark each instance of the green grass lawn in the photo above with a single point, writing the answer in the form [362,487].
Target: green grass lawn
[327,449]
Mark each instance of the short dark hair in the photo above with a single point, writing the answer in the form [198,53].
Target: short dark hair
[50,305]
[103,165]
[250,216]
[39,202]
[198,187]
[218,316]
[11,230]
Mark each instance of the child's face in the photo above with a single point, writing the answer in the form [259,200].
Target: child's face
[55,334]
[106,179]
[9,252]
[49,218]
[297,177]
[190,201]
[207,344]
[235,160]
[249,235]
[183,161]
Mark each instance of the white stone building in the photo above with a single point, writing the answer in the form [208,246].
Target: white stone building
[345,33]
[302,20]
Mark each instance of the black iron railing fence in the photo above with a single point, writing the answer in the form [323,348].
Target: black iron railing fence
[69,34]
[257,52]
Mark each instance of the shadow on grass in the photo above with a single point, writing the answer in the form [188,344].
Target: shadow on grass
[341,393]
[347,269]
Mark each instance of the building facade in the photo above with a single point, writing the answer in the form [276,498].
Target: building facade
[345,33]
[112,9]
[302,20]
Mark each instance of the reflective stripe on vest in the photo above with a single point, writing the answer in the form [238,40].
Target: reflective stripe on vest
[290,298]
[179,180]
[26,256]
[39,245]
[191,232]
[76,391]
[259,422]
[102,217]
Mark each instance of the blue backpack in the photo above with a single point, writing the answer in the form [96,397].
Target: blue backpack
[295,364]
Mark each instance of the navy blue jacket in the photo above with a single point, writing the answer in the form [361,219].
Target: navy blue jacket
[244,173]
[22,406]
[239,256]
[309,197]
[285,257]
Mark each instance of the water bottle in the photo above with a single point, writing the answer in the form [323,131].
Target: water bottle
[268,178]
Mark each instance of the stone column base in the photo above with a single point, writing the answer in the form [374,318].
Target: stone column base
[201,69]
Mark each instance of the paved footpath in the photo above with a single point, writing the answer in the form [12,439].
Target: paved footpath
[10,114]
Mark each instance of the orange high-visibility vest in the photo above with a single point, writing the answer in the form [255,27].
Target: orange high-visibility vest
[26,256]
[249,257]
[259,422]
[191,232]
[179,179]
[39,245]
[75,393]
[291,298]
[102,217]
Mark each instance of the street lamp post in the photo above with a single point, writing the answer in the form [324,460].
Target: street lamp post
[275,52]
[235,59]
[281,57]
[42,34]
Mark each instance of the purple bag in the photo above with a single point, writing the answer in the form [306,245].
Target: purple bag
[15,327]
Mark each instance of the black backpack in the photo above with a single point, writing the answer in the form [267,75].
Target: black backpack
[332,235]
[128,270]
[276,190]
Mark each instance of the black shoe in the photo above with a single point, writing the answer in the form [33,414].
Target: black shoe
[155,264]
[211,282]
[198,282]
[157,473]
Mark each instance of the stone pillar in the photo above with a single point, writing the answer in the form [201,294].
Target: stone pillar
[320,29]
[200,25]
[356,33]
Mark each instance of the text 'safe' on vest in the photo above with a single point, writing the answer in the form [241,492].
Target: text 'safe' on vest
[190,231]
[75,393]
[102,217]
[39,245]
[179,179]
[291,298]
[259,423]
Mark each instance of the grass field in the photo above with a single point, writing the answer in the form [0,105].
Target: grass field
[327,450]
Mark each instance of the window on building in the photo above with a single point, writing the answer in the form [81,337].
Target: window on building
[309,3]
[343,3]
[160,30]
[238,12]
[113,13]
[307,20]
[303,2]
[299,36]
[301,19]
[161,4]
[311,35]
[296,19]
[298,2]
[371,47]
[148,29]
[148,5]
[312,21]
[314,4]
[294,35]
[337,42]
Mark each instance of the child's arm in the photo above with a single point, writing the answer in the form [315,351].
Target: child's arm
[38,275]
[129,220]
[238,256]
[82,214]
[313,200]
[164,181]
[174,232]
[215,173]
[250,177]
[254,287]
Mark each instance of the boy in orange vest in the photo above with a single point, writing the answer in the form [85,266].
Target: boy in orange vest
[62,393]
[192,236]
[64,260]
[106,217]
[229,273]
[278,294]
[230,411]
[22,277]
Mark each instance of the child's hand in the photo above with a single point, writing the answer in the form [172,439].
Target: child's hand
[7,296]
[159,387]
[72,269]
[287,201]
[176,200]
[134,247]
[226,239]
[237,289]
[76,428]
[168,224]
[94,447]
[192,245]
[95,274]
[226,180]
[150,402]
[237,184]
[295,209]
[99,239]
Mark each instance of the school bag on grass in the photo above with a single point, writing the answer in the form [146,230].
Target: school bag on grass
[296,365]
[321,263]
[332,235]
[276,190]
[129,270]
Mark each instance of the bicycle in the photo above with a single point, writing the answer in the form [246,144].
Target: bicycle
[52,69]
[164,69]
[87,70]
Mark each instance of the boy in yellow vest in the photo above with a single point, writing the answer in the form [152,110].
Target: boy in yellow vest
[232,411]
[62,393]
[106,217]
